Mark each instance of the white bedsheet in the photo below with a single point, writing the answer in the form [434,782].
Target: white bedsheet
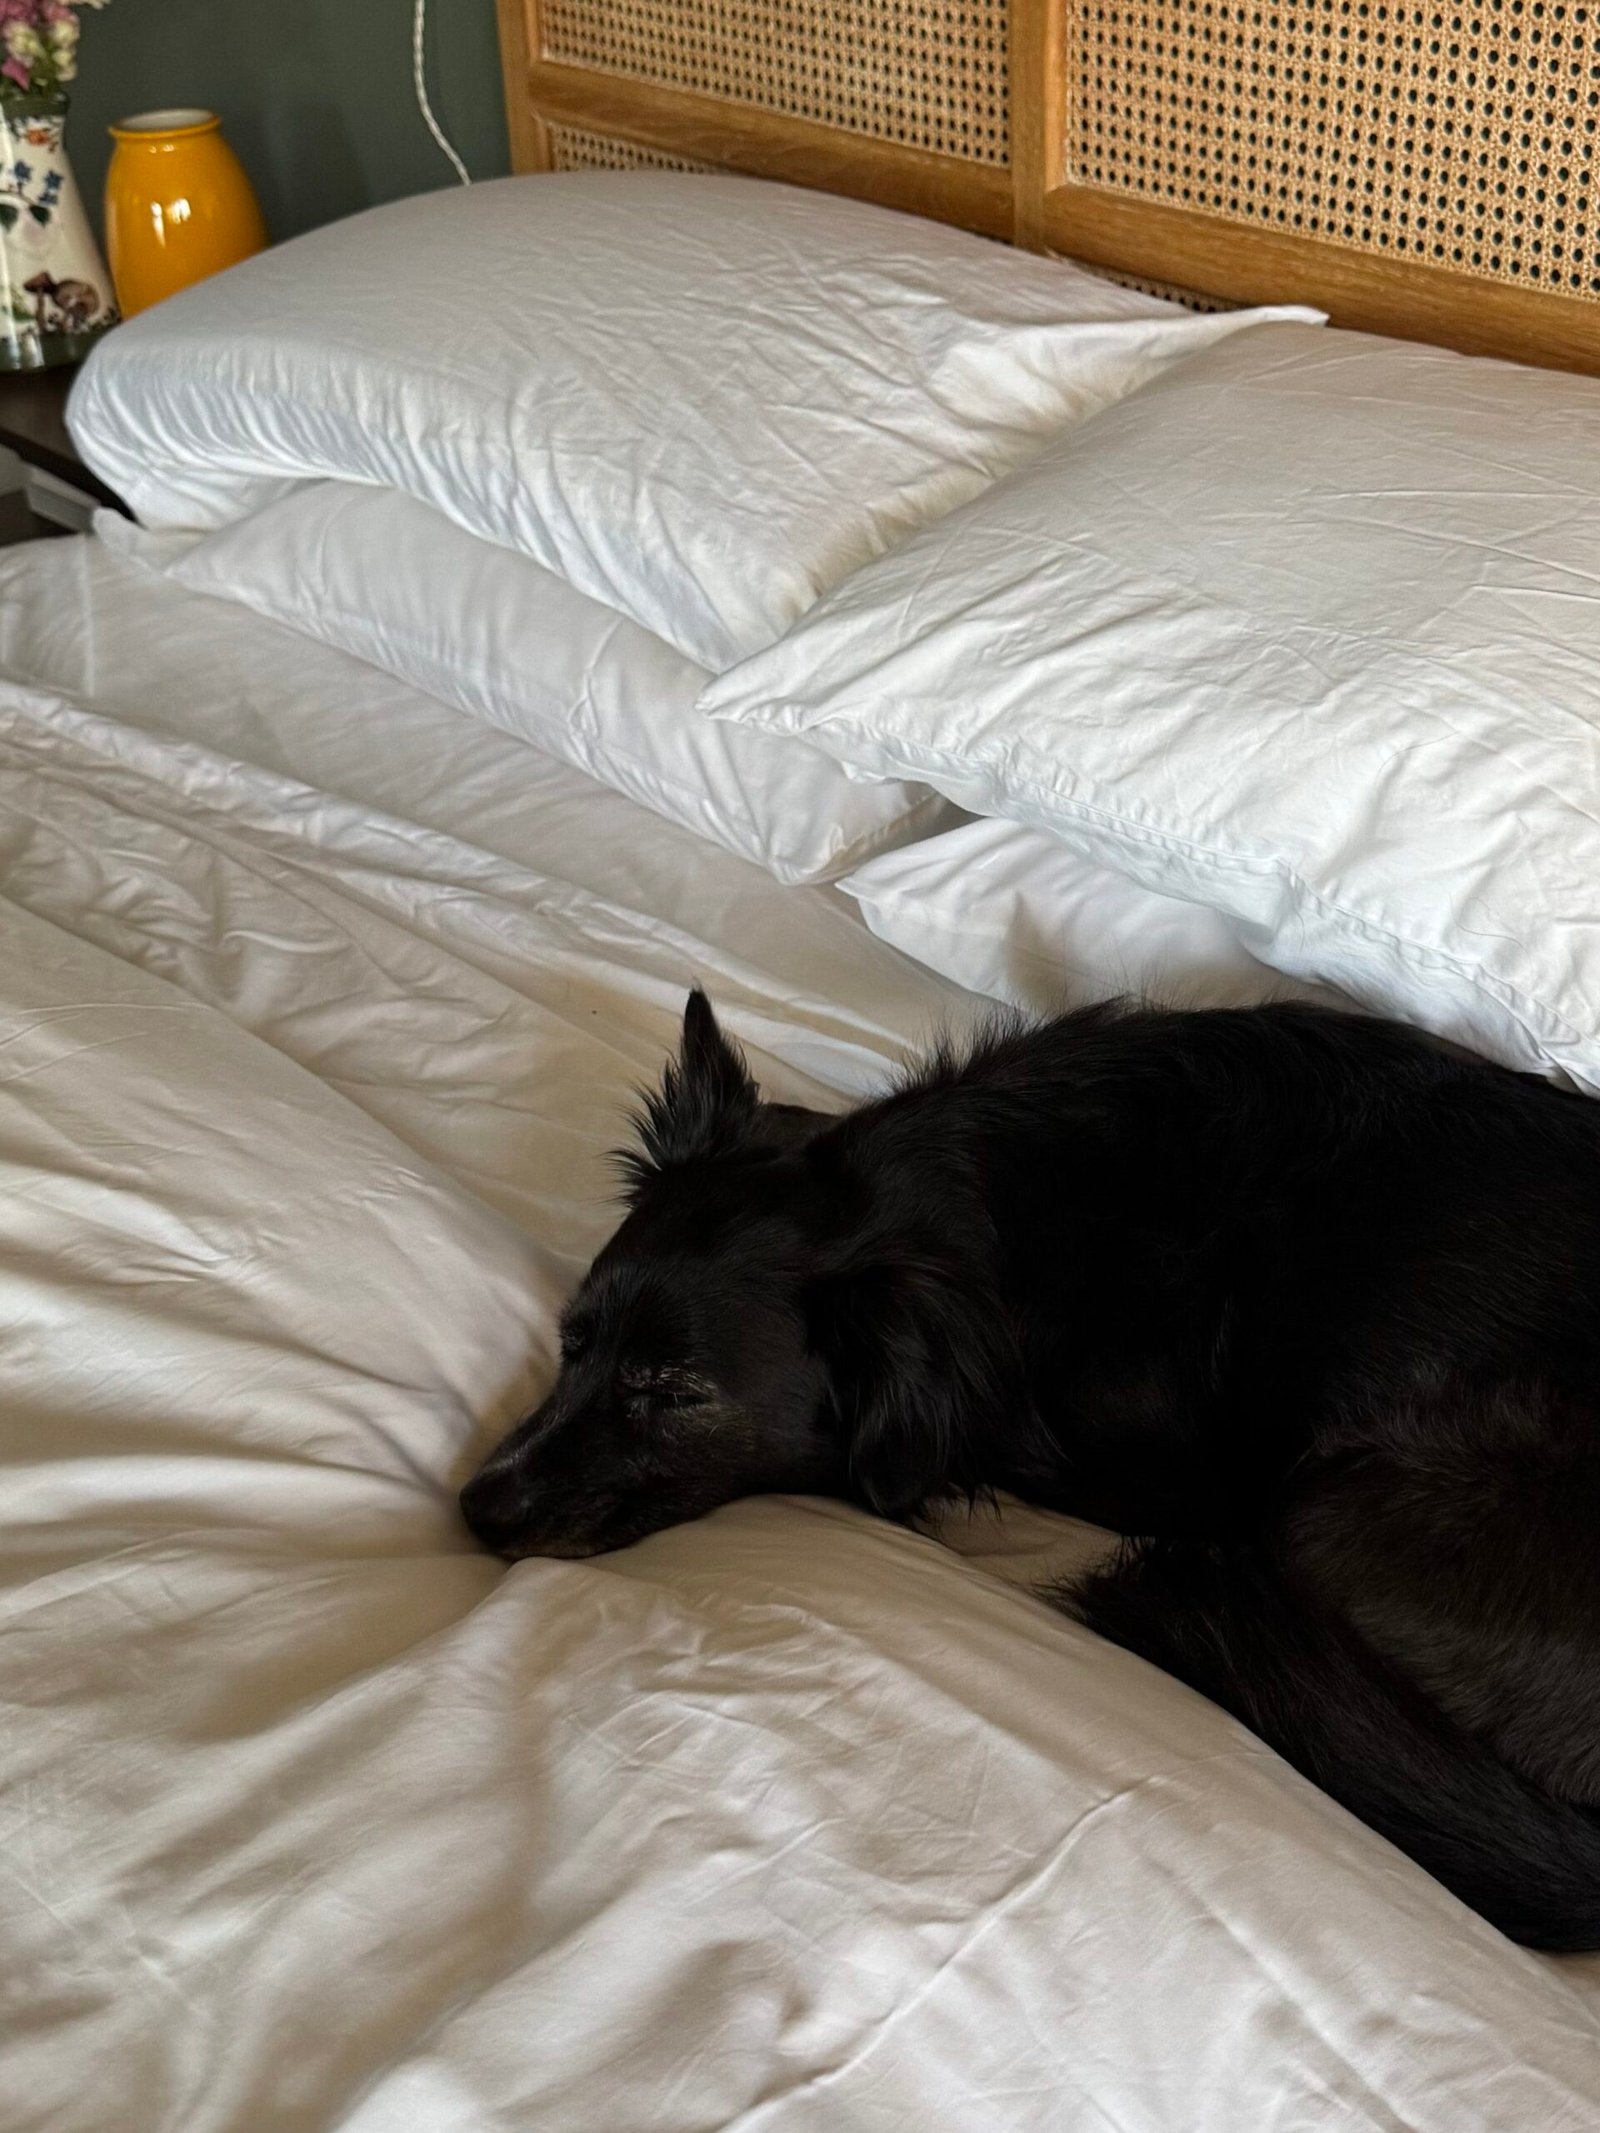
[318,1005]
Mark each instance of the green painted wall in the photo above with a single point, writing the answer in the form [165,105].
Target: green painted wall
[315,95]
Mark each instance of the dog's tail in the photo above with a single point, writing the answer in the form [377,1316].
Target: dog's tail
[1224,1621]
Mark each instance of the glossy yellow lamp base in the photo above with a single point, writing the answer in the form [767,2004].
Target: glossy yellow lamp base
[178,206]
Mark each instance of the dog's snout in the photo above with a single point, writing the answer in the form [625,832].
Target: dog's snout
[493,1506]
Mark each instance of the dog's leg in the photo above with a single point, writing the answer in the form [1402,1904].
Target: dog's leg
[1225,1619]
[1461,1538]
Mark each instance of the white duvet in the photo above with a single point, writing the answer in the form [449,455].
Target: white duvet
[316,1818]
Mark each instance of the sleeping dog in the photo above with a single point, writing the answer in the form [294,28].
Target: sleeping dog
[1304,1304]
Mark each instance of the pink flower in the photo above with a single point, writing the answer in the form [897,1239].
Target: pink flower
[39,44]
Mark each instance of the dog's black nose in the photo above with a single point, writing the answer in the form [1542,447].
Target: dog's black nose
[492,1506]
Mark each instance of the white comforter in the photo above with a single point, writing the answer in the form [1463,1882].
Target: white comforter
[316,1818]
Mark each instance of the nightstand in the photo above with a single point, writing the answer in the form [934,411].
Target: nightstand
[33,425]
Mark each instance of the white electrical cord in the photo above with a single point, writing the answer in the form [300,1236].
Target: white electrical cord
[419,77]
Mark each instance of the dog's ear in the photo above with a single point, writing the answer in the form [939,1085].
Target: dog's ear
[922,1370]
[706,1104]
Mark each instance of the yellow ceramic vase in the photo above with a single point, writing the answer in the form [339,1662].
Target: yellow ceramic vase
[178,206]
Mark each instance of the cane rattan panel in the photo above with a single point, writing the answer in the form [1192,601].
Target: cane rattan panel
[1465,137]
[925,74]
[1174,292]
[571,148]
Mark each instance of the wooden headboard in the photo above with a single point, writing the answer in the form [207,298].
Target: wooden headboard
[1413,166]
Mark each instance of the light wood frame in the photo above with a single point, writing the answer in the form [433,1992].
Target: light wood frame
[1034,202]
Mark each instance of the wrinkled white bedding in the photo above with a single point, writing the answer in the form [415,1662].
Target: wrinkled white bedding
[318,1006]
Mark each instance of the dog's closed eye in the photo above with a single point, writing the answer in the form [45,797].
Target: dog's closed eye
[667,1391]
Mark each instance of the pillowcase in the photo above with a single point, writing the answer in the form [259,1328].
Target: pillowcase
[1013,914]
[1308,630]
[702,400]
[392,581]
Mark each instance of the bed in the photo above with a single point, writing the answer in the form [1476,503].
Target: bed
[366,812]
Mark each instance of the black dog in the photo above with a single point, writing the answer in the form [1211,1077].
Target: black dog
[1304,1301]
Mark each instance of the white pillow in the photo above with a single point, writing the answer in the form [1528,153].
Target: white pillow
[701,399]
[1015,915]
[395,583]
[1307,630]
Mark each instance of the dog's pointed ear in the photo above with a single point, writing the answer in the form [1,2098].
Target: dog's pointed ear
[921,1372]
[706,1104]
[710,1068]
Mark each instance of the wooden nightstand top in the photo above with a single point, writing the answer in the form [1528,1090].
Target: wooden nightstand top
[33,425]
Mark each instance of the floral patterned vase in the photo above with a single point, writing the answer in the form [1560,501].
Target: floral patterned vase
[55,294]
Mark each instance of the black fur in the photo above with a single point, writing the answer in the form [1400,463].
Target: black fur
[1307,1305]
